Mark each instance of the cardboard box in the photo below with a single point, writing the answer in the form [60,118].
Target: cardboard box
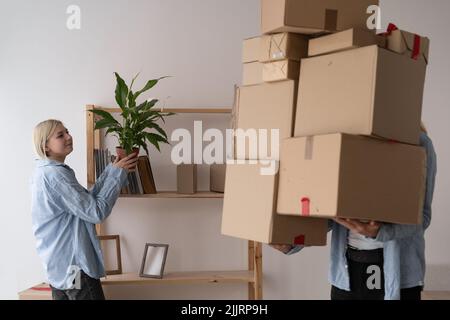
[251,49]
[313,16]
[281,70]
[249,211]
[265,106]
[187,178]
[403,42]
[355,177]
[344,40]
[283,46]
[217,177]
[368,91]
[252,73]
[41,291]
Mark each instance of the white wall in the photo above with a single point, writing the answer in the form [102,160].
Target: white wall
[48,71]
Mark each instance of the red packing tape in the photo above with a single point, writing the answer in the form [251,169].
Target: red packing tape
[391,27]
[416,49]
[299,240]
[41,289]
[305,202]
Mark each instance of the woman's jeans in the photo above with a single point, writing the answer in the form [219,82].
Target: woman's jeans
[90,289]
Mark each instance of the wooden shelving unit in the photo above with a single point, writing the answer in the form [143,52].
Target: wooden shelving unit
[245,276]
[252,276]
[175,195]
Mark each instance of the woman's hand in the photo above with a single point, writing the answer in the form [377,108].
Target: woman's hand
[126,163]
[366,229]
[284,248]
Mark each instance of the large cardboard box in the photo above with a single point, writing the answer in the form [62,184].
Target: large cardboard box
[368,91]
[249,211]
[251,50]
[283,46]
[344,40]
[266,106]
[281,70]
[313,16]
[349,176]
[41,291]
[252,73]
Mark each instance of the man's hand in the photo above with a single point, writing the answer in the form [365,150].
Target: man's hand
[366,229]
[284,248]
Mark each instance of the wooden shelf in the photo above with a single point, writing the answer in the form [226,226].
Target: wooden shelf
[245,276]
[175,195]
[176,110]
[435,295]
[251,277]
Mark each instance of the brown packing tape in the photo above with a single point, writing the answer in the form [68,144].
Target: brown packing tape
[281,70]
[275,51]
[331,17]
[284,68]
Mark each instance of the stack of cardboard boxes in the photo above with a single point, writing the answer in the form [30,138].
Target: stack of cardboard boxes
[347,105]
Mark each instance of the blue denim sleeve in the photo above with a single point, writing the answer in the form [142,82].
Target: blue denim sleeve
[92,206]
[390,232]
[101,180]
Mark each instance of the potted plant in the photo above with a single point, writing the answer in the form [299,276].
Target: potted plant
[137,120]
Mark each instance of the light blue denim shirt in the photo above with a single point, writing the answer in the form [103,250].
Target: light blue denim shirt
[404,245]
[64,215]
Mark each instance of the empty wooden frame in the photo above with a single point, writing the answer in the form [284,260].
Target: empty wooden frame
[154,260]
[118,254]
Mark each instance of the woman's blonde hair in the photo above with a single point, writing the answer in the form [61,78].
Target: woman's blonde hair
[42,133]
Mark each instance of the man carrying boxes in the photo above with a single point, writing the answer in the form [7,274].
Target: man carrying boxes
[353,154]
[359,157]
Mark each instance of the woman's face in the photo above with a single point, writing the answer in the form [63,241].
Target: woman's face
[60,144]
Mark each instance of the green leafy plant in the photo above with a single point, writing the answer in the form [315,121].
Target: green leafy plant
[137,120]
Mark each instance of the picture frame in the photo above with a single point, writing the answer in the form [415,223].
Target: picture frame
[154,260]
[116,238]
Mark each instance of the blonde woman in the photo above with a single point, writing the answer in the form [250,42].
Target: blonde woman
[64,214]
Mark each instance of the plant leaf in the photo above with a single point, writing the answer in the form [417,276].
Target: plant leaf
[156,136]
[104,123]
[158,128]
[146,149]
[121,92]
[131,100]
[104,114]
[150,84]
[132,81]
[155,139]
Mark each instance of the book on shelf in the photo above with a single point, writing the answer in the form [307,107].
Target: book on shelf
[139,181]
[102,158]
[146,174]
